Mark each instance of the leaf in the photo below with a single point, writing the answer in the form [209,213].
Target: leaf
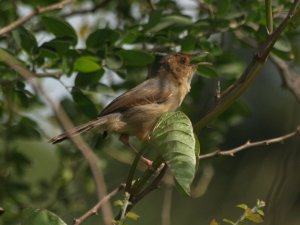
[188,43]
[243,206]
[59,45]
[60,28]
[254,217]
[169,20]
[101,37]
[114,62]
[214,222]
[87,64]
[132,216]
[88,79]
[228,221]
[118,203]
[27,40]
[84,104]
[173,136]
[135,57]
[283,44]
[207,72]
[40,217]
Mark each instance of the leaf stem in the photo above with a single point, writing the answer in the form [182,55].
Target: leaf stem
[269,16]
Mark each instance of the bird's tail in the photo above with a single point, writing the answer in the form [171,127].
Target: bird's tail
[78,130]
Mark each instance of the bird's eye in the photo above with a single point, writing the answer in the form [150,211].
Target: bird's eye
[182,60]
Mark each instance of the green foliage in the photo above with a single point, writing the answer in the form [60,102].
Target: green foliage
[107,55]
[251,215]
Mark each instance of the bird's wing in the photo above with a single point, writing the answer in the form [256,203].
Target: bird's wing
[150,91]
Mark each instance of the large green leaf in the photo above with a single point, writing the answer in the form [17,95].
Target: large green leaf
[173,136]
[40,217]
[59,28]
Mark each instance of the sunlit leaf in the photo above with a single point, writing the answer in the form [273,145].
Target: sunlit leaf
[254,217]
[87,64]
[214,222]
[132,215]
[228,221]
[242,206]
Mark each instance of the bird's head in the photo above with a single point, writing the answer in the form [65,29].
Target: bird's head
[179,66]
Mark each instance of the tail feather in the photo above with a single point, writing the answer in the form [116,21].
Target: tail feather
[77,130]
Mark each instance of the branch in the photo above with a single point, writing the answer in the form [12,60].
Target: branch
[37,11]
[135,197]
[249,75]
[249,144]
[290,78]
[55,75]
[67,124]
[95,209]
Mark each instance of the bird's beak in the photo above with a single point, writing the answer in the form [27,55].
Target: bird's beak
[196,59]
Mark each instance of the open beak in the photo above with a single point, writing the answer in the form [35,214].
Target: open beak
[197,59]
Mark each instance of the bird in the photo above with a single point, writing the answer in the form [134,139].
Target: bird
[135,112]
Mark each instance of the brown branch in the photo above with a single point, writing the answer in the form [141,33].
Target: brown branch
[55,75]
[95,209]
[67,124]
[249,144]
[37,11]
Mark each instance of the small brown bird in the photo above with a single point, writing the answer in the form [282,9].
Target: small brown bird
[136,112]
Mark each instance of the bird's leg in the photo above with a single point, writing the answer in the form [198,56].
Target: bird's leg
[124,138]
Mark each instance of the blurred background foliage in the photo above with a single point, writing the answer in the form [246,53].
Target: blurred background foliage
[91,51]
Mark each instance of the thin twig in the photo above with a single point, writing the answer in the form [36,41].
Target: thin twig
[95,209]
[290,78]
[249,144]
[37,11]
[67,124]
